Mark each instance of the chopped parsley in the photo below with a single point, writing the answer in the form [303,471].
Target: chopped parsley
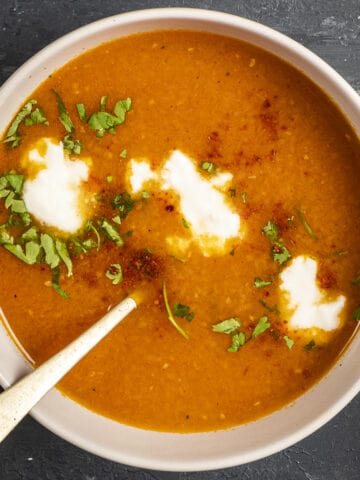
[243,197]
[71,145]
[55,283]
[112,233]
[123,153]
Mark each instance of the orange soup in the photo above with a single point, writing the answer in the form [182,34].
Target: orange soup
[218,182]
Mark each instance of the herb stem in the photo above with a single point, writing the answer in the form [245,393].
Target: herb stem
[170,314]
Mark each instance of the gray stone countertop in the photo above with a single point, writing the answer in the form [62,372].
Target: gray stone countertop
[331,28]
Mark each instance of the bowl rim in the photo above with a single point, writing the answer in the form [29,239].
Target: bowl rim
[347,100]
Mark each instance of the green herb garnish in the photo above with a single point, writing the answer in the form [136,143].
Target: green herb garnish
[280,253]
[123,153]
[64,116]
[301,215]
[271,231]
[259,283]
[185,223]
[114,273]
[273,309]
[227,326]
[80,107]
[309,346]
[36,117]
[243,197]
[237,341]
[170,314]
[112,233]
[356,314]
[208,167]
[106,122]
[55,283]
[289,342]
[124,203]
[12,135]
[183,311]
[261,326]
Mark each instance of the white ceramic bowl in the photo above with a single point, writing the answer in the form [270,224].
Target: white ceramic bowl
[184,452]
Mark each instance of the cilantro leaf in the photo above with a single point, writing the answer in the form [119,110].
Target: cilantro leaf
[80,107]
[183,311]
[356,314]
[227,326]
[259,283]
[112,233]
[51,256]
[63,252]
[271,231]
[114,273]
[36,117]
[72,146]
[289,342]
[124,203]
[237,341]
[55,283]
[280,253]
[309,346]
[12,136]
[261,326]
[64,117]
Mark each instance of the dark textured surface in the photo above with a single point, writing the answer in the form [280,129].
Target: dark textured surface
[331,28]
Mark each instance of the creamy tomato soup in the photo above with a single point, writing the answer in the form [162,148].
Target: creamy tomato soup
[216,182]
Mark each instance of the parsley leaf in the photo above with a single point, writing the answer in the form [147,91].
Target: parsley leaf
[185,223]
[80,107]
[63,252]
[227,326]
[106,122]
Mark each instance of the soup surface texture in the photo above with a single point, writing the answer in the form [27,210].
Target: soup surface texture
[218,183]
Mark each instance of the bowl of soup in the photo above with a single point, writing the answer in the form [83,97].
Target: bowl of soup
[211,164]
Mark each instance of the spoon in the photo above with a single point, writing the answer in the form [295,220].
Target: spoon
[19,399]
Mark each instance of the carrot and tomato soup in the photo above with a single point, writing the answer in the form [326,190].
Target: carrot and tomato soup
[218,182]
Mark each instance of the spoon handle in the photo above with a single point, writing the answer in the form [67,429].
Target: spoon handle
[20,398]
